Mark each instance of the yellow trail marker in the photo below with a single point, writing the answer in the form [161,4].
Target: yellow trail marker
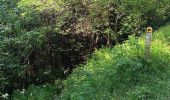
[148,41]
[149,30]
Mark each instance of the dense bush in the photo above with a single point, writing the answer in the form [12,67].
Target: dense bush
[42,92]
[42,40]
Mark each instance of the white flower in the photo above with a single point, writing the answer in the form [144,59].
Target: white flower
[23,91]
[5,95]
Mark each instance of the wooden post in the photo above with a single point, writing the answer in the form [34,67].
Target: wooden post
[148,41]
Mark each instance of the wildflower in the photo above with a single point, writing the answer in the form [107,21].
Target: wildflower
[5,96]
[23,91]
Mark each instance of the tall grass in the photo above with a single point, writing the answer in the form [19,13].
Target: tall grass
[123,73]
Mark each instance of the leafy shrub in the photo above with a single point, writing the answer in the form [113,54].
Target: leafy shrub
[127,17]
[42,92]
[3,81]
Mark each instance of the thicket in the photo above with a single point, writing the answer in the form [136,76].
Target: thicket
[42,40]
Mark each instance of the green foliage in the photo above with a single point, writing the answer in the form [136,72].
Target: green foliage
[123,73]
[128,16]
[40,40]
[42,92]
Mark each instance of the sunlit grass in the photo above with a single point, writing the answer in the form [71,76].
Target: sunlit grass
[123,72]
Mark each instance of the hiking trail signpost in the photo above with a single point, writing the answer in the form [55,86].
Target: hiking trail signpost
[148,42]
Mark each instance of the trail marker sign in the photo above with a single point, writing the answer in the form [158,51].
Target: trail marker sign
[148,41]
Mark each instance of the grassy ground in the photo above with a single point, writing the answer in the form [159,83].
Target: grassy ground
[124,73]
